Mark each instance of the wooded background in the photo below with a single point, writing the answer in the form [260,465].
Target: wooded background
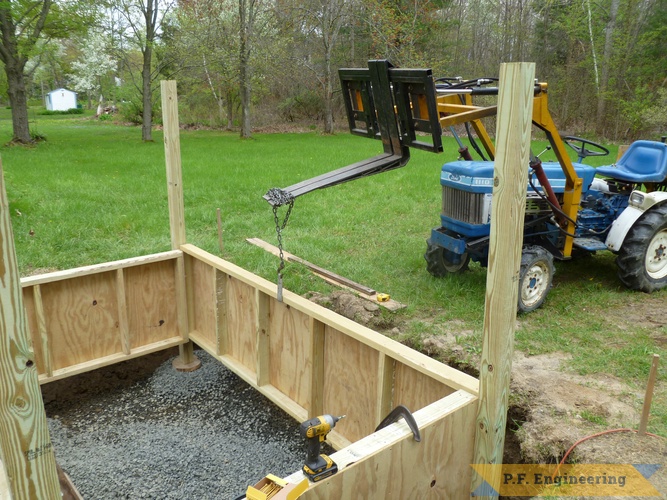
[244,64]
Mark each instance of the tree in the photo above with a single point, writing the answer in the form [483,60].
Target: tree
[323,19]
[143,21]
[247,18]
[209,46]
[26,28]
[20,28]
[92,66]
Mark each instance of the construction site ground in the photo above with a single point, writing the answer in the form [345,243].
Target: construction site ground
[119,432]
[551,406]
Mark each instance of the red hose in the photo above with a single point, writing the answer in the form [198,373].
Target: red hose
[590,437]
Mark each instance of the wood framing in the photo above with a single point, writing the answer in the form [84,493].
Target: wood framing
[515,108]
[312,360]
[89,317]
[303,357]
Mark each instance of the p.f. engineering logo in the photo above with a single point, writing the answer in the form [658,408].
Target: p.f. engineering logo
[594,480]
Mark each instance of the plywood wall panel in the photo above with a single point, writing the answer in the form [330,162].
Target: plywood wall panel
[81,317]
[350,383]
[241,327]
[436,468]
[416,390]
[151,303]
[290,342]
[203,285]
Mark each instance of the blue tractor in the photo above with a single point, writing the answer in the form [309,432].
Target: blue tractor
[623,208]
[570,207]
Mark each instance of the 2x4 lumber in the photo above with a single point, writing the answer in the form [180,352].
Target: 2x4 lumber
[123,323]
[263,331]
[515,108]
[184,319]
[98,268]
[25,446]
[436,370]
[385,387]
[334,279]
[110,360]
[324,273]
[222,333]
[316,393]
[43,333]
[389,463]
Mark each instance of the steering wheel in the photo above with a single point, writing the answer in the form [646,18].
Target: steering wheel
[581,149]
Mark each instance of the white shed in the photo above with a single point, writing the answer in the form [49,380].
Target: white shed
[60,100]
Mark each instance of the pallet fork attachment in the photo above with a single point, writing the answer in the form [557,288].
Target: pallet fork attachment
[385,103]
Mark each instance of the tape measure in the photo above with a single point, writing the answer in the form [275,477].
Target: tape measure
[383,297]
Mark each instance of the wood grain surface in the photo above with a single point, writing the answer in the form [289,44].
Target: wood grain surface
[25,446]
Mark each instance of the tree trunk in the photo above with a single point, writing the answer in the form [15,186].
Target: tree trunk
[606,62]
[230,110]
[147,117]
[18,100]
[328,95]
[245,19]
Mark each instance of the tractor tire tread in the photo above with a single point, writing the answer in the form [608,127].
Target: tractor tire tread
[631,258]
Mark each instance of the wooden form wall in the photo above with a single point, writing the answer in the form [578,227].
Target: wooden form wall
[304,357]
[93,316]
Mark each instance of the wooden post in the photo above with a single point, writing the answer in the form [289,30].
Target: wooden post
[187,361]
[648,397]
[515,108]
[219,220]
[25,445]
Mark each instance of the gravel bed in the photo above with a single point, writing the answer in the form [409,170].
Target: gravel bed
[141,429]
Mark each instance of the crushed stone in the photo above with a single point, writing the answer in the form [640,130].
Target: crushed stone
[143,430]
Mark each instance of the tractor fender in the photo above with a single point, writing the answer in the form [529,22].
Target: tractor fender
[630,215]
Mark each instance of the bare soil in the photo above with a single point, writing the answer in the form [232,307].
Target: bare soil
[551,407]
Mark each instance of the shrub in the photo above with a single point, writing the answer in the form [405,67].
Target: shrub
[130,112]
[71,111]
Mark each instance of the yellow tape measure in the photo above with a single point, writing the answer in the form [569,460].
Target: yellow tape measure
[383,297]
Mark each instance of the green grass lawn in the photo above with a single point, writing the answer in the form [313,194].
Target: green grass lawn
[93,192]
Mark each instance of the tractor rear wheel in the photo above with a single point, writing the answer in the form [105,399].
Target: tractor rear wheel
[535,277]
[642,260]
[440,262]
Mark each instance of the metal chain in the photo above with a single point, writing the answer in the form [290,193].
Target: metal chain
[277,198]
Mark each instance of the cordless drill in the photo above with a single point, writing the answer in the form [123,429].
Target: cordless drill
[318,466]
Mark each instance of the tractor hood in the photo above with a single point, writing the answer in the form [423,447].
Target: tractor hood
[477,176]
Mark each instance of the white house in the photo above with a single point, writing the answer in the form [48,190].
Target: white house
[60,100]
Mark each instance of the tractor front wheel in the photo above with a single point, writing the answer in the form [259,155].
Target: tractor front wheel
[535,277]
[642,260]
[440,262]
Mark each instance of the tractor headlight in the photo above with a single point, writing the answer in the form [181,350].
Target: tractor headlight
[637,199]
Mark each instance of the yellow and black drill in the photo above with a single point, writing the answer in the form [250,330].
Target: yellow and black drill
[318,466]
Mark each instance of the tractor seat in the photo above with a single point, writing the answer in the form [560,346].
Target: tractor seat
[644,161]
